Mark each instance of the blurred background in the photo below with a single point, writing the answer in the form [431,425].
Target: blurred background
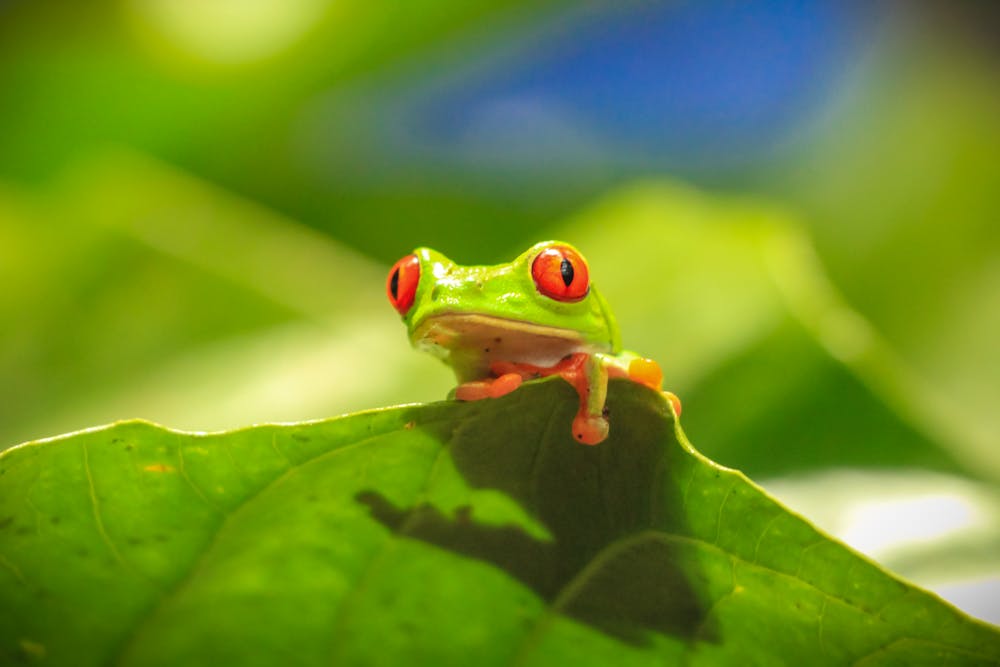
[792,205]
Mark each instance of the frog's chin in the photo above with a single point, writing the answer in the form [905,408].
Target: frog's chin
[470,342]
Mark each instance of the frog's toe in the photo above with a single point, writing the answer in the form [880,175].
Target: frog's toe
[645,371]
[590,429]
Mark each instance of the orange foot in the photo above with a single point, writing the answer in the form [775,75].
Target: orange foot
[492,388]
[590,429]
[647,372]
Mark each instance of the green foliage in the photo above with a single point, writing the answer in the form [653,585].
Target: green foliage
[449,533]
[204,272]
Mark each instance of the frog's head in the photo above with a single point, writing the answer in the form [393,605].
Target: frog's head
[535,309]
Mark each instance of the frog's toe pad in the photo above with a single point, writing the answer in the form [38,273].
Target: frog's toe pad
[589,429]
[645,371]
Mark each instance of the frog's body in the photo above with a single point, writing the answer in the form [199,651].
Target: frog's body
[535,316]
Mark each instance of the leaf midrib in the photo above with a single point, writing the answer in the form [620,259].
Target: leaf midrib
[610,551]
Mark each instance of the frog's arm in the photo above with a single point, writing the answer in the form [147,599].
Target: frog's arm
[587,373]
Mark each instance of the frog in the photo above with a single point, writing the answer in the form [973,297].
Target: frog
[534,317]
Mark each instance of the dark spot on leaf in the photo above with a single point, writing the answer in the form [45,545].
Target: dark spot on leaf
[134,541]
[312,497]
[637,590]
[606,513]
[117,440]
[486,349]
[55,520]
[25,530]
[301,437]
[160,537]
[129,448]
[497,339]
[6,521]
[82,553]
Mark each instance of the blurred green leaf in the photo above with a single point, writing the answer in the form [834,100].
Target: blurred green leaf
[450,533]
[777,370]
[145,292]
[902,197]
[939,530]
[725,293]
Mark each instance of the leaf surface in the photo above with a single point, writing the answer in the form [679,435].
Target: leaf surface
[448,533]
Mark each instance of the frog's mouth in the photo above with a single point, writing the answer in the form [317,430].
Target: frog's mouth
[469,342]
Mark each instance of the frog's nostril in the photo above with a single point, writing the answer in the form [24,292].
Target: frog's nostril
[434,293]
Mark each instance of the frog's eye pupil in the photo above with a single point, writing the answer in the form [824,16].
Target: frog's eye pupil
[561,273]
[566,269]
[401,286]
[394,284]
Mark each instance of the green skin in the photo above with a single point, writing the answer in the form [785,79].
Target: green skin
[473,316]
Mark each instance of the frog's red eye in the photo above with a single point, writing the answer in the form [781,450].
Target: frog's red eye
[401,285]
[561,273]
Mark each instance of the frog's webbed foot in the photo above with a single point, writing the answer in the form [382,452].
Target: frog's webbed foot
[490,388]
[587,373]
[590,429]
[647,372]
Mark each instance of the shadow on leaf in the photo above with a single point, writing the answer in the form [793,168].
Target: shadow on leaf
[607,509]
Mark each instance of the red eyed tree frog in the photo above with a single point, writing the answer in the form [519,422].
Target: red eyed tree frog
[497,326]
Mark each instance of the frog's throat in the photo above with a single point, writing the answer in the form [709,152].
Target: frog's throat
[470,342]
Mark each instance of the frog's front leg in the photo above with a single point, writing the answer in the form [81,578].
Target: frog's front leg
[590,426]
[587,373]
[643,371]
[490,388]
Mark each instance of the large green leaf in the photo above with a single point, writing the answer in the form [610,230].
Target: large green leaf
[450,533]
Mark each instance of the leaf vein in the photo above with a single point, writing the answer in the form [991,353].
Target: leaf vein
[760,538]
[14,569]
[722,507]
[537,457]
[687,487]
[96,508]
[182,469]
[715,605]
[387,547]
[611,551]
[199,562]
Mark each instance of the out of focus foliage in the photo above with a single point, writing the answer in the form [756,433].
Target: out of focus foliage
[198,203]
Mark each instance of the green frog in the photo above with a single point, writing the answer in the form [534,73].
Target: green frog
[536,316]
